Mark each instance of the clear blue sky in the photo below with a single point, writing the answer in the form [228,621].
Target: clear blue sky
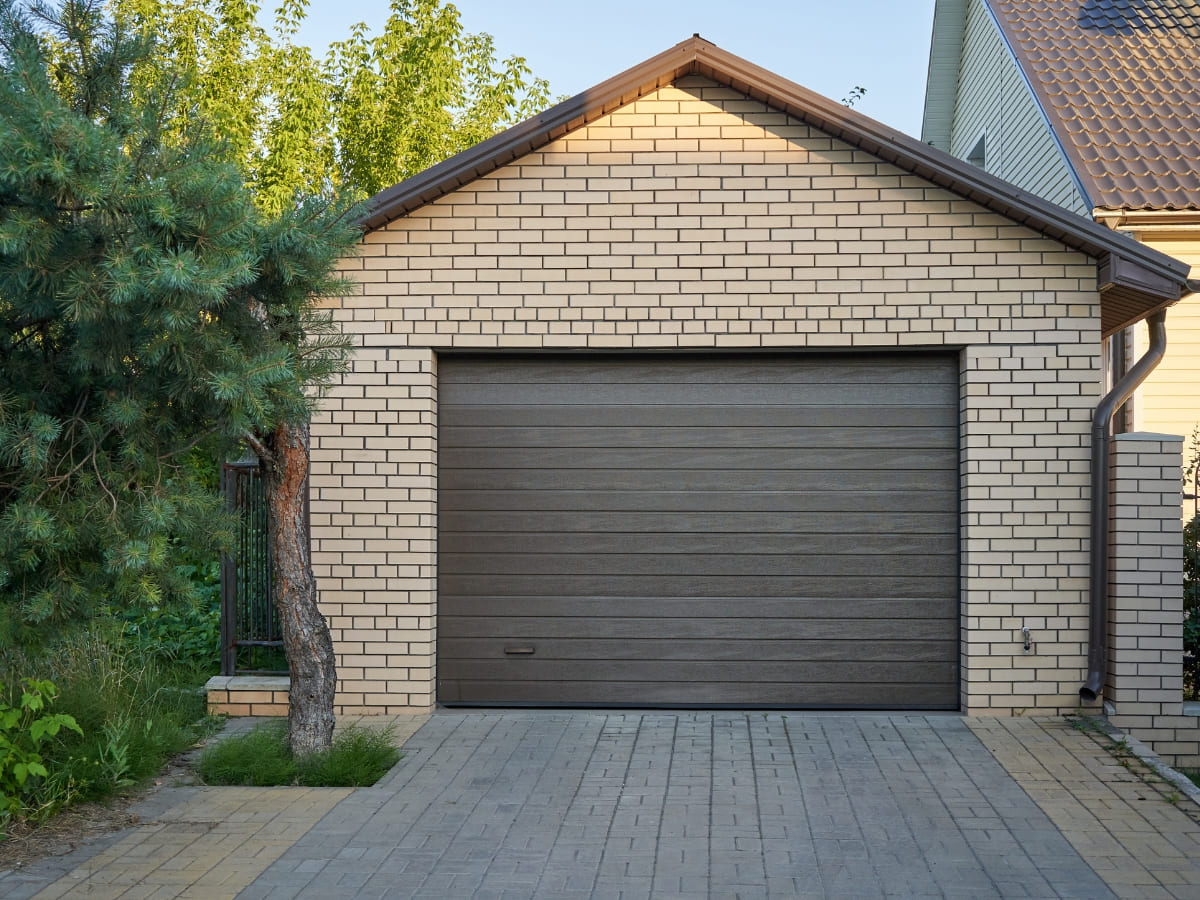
[825,45]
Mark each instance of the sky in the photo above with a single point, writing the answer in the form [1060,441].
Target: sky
[829,46]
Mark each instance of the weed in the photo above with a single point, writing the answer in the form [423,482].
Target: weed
[359,757]
[134,711]
[1173,798]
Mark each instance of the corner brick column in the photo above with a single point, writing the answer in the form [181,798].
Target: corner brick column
[1145,623]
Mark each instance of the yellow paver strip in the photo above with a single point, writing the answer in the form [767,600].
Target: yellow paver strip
[1117,817]
[214,842]
[211,845]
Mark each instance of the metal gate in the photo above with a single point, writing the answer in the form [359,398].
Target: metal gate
[250,635]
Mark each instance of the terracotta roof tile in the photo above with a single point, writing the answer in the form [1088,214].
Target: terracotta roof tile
[1122,79]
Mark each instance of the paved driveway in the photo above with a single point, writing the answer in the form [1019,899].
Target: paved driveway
[661,804]
[724,804]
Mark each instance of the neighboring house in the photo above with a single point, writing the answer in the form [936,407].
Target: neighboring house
[1094,105]
[700,388]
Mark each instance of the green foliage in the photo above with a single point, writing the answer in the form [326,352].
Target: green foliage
[188,634]
[1191,582]
[149,311]
[359,757]
[377,109]
[131,712]
[23,730]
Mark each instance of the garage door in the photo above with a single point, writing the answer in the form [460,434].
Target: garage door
[709,530]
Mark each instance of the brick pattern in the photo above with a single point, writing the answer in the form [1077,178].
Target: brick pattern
[1145,626]
[700,218]
[247,696]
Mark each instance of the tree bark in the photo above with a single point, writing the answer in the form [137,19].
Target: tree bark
[306,638]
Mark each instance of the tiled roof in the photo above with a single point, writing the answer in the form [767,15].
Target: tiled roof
[1120,83]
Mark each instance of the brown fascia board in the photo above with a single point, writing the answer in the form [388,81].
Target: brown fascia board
[1150,279]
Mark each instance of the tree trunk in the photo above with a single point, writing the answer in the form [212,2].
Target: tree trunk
[306,638]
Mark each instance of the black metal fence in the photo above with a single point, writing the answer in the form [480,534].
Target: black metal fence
[250,634]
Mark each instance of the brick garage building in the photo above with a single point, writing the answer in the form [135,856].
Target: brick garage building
[701,388]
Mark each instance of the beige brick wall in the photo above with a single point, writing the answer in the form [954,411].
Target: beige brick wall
[1145,627]
[247,695]
[699,218]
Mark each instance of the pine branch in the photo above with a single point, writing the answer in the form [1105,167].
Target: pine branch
[259,448]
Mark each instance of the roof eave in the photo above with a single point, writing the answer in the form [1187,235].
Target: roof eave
[1130,291]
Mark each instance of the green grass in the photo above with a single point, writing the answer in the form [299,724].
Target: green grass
[260,758]
[136,710]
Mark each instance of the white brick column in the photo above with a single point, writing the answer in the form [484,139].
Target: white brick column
[1145,621]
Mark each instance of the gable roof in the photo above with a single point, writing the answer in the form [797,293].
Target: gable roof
[1135,279]
[1117,80]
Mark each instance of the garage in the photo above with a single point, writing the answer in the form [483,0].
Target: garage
[708,529]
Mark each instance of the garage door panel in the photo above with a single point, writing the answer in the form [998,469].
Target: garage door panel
[846,625]
[511,394]
[725,565]
[834,371]
[859,585]
[470,611]
[749,530]
[806,543]
[805,436]
[670,647]
[843,671]
[774,460]
[467,526]
[885,694]
[585,502]
[482,418]
[633,479]
[491,635]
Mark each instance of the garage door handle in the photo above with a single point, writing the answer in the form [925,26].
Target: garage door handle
[518,651]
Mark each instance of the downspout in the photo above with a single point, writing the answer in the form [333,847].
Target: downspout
[1098,574]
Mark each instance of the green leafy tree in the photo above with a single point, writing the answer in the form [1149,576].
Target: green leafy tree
[375,110]
[147,305]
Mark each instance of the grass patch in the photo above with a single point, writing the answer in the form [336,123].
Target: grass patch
[261,758]
[135,710]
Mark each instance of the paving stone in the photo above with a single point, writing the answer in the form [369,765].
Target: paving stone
[639,804]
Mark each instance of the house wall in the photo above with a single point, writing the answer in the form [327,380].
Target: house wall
[699,218]
[995,102]
[1169,400]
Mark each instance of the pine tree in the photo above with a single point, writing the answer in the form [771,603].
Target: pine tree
[147,307]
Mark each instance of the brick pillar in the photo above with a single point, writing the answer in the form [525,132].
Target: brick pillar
[1145,622]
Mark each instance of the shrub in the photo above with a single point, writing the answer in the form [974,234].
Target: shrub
[23,731]
[260,758]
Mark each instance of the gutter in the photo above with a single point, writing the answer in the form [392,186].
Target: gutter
[1093,687]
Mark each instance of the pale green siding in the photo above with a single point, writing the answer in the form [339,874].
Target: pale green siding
[995,103]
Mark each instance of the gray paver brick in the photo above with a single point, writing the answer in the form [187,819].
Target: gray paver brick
[688,804]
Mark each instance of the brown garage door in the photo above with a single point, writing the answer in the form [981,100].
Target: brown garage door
[763,531]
